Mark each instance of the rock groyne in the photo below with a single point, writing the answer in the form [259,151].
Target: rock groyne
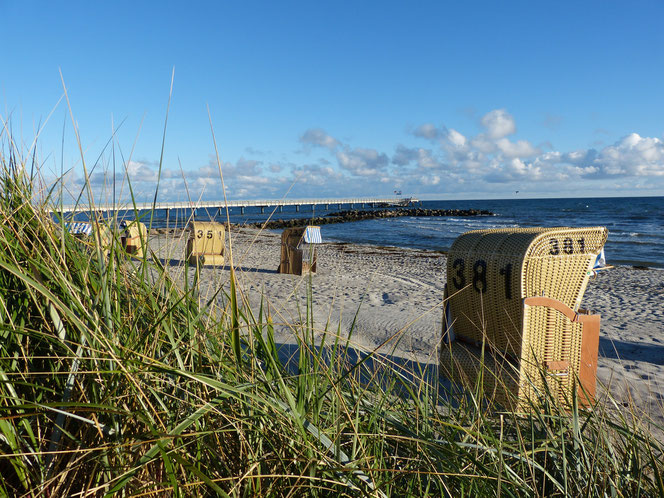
[359,215]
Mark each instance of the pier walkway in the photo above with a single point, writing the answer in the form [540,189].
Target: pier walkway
[242,205]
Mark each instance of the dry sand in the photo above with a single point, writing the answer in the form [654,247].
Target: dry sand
[394,298]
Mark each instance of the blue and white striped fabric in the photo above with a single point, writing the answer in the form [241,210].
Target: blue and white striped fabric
[312,235]
[600,261]
[79,228]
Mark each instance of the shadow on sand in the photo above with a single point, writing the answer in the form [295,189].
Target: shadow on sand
[400,375]
[631,351]
[243,269]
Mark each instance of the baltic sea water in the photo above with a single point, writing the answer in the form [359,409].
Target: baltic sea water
[636,224]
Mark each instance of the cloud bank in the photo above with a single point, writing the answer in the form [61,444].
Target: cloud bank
[434,161]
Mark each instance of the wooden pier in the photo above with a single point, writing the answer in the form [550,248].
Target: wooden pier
[242,205]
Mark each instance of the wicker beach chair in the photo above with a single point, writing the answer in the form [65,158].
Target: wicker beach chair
[79,229]
[206,243]
[134,238]
[298,250]
[495,332]
[88,231]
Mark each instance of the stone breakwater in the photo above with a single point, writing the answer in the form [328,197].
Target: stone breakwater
[358,215]
[344,217]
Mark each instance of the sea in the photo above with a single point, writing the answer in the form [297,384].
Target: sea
[636,224]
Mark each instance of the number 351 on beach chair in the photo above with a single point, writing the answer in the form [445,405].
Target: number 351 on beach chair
[298,250]
[206,243]
[512,317]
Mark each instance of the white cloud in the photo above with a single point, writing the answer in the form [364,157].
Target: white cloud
[318,137]
[521,148]
[404,155]
[362,162]
[498,123]
[430,180]
[427,130]
[455,138]
[424,158]
[483,161]
[633,156]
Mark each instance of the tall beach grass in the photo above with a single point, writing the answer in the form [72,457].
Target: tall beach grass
[115,379]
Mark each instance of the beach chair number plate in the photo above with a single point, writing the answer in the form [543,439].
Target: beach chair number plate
[568,246]
[208,234]
[479,276]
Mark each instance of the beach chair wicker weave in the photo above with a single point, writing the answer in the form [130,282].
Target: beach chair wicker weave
[489,274]
[562,352]
[206,243]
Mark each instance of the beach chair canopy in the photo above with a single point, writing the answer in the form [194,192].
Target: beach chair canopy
[600,261]
[312,235]
[78,228]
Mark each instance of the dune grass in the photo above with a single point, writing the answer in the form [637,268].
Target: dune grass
[115,379]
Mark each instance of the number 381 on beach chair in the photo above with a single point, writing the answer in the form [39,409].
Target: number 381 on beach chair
[512,320]
[206,243]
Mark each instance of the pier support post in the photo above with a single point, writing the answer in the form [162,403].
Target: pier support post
[297,208]
[281,209]
[241,209]
[262,209]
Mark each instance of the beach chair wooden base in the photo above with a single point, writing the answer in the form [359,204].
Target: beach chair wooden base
[295,262]
[296,259]
[133,246]
[207,260]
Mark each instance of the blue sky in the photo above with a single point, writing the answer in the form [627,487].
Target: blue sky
[442,100]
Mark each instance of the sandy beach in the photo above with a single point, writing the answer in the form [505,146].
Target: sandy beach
[392,300]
